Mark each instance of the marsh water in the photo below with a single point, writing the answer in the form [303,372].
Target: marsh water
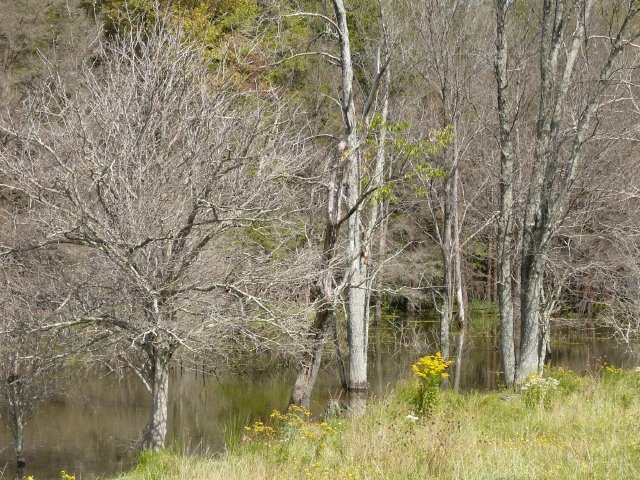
[93,429]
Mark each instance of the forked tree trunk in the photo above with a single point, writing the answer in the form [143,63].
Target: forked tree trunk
[558,150]
[544,213]
[306,379]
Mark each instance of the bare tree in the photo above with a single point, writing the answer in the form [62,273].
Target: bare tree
[576,40]
[448,60]
[30,360]
[156,165]
[345,202]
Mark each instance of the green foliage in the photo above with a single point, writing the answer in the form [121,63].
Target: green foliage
[384,193]
[539,391]
[209,22]
[234,431]
[157,465]
[620,378]
[569,381]
[363,20]
[285,39]
[120,16]
[206,22]
[253,52]
[612,375]
[419,154]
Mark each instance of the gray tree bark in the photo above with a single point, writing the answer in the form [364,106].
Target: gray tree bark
[357,331]
[542,215]
[378,212]
[448,277]
[325,292]
[306,379]
[156,431]
[557,155]
[459,280]
[19,447]
[506,216]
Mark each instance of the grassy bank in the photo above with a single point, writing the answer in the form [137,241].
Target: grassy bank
[579,428]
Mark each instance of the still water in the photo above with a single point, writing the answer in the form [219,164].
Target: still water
[93,429]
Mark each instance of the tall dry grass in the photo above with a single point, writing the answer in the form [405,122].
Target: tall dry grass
[583,428]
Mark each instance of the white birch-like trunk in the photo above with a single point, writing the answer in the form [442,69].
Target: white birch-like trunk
[459,281]
[357,296]
[19,445]
[446,312]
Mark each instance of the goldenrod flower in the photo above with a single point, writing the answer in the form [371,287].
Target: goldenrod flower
[431,367]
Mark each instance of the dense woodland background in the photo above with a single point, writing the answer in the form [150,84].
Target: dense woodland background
[257,182]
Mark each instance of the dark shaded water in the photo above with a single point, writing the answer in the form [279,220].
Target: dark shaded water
[94,428]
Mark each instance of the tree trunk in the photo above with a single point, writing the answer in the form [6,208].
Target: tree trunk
[356,320]
[382,250]
[459,281]
[19,447]
[506,215]
[530,318]
[306,379]
[448,295]
[156,431]
[357,331]
[342,372]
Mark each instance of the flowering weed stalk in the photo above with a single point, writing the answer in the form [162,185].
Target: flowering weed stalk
[291,427]
[430,371]
[539,390]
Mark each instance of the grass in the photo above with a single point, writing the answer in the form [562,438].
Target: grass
[482,307]
[586,428]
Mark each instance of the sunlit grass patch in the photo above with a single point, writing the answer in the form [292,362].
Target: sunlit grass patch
[589,430]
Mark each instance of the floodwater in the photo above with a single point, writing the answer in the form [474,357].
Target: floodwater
[94,428]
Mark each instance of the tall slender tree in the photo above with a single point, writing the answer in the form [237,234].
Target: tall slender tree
[580,52]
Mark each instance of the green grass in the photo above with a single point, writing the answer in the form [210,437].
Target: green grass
[588,429]
[482,307]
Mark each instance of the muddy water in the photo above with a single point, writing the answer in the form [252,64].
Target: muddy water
[93,429]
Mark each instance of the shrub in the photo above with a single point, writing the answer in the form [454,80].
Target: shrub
[569,381]
[539,391]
